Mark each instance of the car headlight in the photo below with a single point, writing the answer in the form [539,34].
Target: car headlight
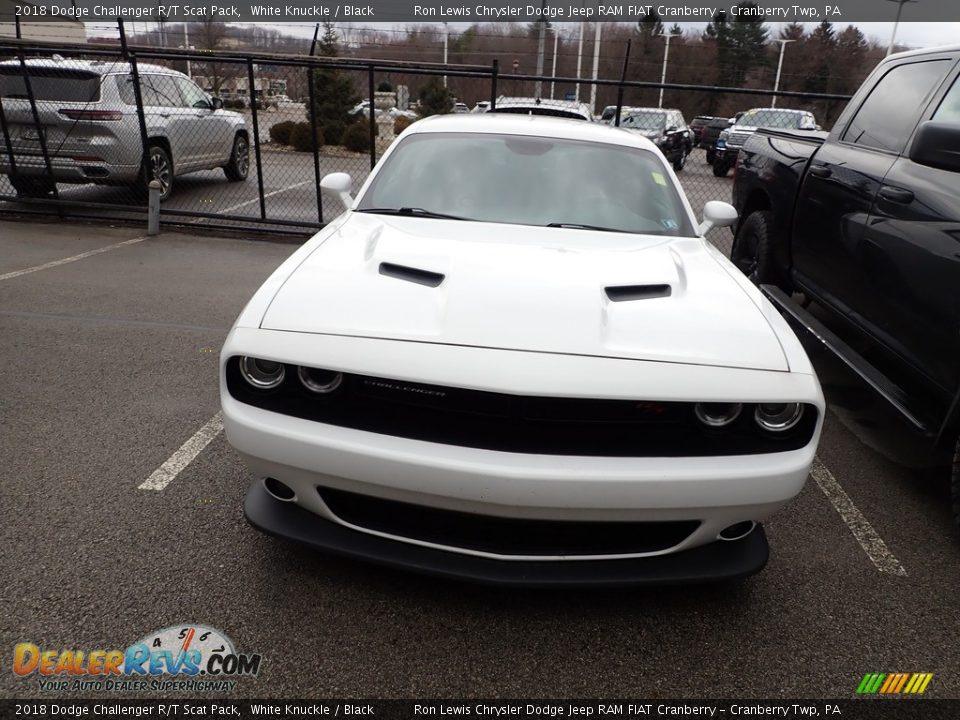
[261,374]
[717,414]
[319,381]
[778,417]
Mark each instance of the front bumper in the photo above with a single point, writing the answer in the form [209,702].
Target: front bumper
[716,561]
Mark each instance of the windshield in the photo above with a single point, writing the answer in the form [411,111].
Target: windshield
[529,181]
[645,121]
[770,119]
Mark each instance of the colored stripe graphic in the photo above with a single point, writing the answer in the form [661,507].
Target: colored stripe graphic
[894,683]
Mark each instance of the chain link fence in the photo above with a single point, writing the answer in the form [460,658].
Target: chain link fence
[241,140]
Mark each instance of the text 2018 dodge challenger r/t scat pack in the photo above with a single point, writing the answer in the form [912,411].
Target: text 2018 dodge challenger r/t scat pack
[515,359]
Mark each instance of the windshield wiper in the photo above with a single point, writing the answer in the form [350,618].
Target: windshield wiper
[580,226]
[411,211]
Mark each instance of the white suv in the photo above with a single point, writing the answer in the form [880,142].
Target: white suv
[88,117]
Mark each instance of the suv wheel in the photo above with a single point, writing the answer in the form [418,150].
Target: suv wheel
[720,167]
[680,160]
[159,168]
[239,165]
[752,251]
[32,187]
[711,155]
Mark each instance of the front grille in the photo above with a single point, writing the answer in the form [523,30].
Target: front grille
[738,139]
[515,423]
[504,536]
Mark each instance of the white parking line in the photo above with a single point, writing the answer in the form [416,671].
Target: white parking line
[862,530]
[166,473]
[267,195]
[72,258]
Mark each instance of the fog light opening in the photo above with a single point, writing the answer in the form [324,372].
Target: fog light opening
[778,417]
[738,531]
[278,490]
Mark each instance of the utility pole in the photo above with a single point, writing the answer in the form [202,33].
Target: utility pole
[579,61]
[896,23]
[186,45]
[446,41]
[538,88]
[776,83]
[667,37]
[596,68]
[556,38]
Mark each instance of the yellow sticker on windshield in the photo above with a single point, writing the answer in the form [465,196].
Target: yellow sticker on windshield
[659,179]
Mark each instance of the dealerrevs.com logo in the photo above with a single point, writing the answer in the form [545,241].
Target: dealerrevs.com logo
[189,658]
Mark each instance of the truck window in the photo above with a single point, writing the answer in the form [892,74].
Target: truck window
[890,112]
[949,110]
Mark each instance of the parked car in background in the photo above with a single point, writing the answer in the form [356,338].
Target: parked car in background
[734,138]
[711,133]
[515,359]
[459,107]
[609,113]
[481,106]
[698,124]
[90,127]
[665,128]
[865,222]
[540,106]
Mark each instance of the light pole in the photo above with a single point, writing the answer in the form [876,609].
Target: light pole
[663,73]
[596,67]
[896,23]
[776,83]
[579,61]
[446,38]
[556,38]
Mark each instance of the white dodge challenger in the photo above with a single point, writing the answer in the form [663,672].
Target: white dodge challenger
[515,359]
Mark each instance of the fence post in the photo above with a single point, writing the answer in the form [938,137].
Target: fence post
[623,78]
[138,96]
[256,139]
[493,84]
[311,96]
[37,124]
[153,207]
[373,119]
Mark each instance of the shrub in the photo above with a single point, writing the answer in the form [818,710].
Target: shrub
[401,124]
[357,137]
[280,132]
[300,137]
[384,86]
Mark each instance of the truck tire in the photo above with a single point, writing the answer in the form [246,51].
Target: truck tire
[955,484]
[711,155]
[752,250]
[680,160]
[31,187]
[720,168]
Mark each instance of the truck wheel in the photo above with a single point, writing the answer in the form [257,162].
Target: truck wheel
[680,161]
[955,484]
[711,156]
[752,251]
[720,168]
[239,165]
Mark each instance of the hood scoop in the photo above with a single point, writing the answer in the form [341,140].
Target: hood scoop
[626,293]
[411,274]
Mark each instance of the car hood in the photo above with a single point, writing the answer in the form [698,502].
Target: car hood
[526,288]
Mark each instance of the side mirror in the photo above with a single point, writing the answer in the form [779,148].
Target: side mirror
[671,129]
[731,121]
[937,145]
[338,184]
[216,103]
[717,214]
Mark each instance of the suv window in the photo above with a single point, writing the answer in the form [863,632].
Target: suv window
[888,115]
[50,84]
[192,95]
[127,95]
[166,91]
[949,110]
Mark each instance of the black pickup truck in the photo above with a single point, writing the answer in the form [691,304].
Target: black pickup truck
[865,222]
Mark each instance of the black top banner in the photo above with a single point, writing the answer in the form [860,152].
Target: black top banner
[470,11]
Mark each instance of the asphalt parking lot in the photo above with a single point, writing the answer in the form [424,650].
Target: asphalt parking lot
[110,348]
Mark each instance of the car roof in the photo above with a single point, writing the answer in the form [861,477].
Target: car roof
[96,67]
[786,110]
[531,125]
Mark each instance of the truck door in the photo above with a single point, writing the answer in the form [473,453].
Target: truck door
[911,253]
[843,179]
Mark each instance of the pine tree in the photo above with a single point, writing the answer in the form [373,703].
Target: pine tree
[651,25]
[435,99]
[333,92]
[748,45]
